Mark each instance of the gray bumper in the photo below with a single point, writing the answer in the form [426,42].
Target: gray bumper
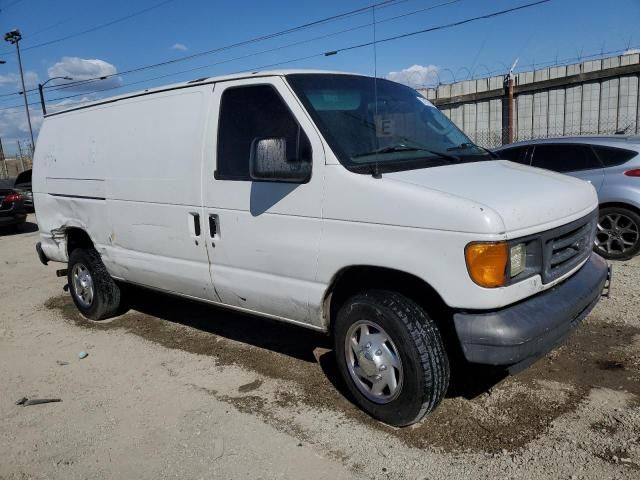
[522,333]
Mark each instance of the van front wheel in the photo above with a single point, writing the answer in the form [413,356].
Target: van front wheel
[391,356]
[94,292]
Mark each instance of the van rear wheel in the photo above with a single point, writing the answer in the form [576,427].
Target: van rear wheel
[92,289]
[391,356]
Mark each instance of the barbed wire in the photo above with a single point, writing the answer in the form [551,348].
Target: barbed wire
[417,81]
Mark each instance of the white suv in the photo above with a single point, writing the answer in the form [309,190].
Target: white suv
[343,203]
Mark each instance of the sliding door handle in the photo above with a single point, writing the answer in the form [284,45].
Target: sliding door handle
[196,224]
[213,225]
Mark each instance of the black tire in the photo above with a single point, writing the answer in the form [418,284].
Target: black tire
[425,364]
[629,228]
[105,302]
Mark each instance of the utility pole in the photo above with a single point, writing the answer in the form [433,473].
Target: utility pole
[21,155]
[14,37]
[510,116]
[510,109]
[4,160]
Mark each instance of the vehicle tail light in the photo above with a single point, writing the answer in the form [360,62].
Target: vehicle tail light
[633,173]
[13,198]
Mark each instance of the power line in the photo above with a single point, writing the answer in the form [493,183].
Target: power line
[261,38]
[135,70]
[10,4]
[53,25]
[323,54]
[271,50]
[97,27]
[284,62]
[362,45]
[442,27]
[381,4]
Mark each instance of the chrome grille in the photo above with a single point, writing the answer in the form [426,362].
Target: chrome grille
[567,246]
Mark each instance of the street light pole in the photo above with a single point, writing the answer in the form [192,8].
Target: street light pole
[41,90]
[14,38]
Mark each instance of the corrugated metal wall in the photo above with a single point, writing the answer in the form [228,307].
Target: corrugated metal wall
[594,107]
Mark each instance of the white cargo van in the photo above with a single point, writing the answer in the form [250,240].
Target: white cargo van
[339,202]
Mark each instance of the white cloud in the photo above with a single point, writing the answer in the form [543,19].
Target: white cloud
[31,79]
[14,126]
[179,46]
[631,51]
[416,76]
[84,69]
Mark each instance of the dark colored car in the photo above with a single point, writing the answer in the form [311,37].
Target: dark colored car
[12,208]
[23,185]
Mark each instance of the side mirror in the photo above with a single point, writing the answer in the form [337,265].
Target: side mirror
[268,162]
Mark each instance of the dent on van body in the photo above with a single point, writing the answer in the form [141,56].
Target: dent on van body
[58,214]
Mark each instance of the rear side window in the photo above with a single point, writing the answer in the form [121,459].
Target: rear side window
[250,113]
[612,157]
[515,154]
[564,158]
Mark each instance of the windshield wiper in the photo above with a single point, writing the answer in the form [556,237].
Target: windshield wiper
[406,148]
[466,145]
[391,149]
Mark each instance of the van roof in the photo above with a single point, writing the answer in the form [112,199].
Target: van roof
[194,83]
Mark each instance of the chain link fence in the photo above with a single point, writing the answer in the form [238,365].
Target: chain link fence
[496,138]
[11,166]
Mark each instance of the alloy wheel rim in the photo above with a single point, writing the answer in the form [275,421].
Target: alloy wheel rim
[617,234]
[373,362]
[82,284]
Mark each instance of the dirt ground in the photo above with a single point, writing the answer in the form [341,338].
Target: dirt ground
[176,389]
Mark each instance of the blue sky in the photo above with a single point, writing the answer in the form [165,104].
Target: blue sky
[560,29]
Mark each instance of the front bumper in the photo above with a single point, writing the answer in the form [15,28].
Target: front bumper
[520,334]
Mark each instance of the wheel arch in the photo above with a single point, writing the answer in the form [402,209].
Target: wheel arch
[353,279]
[77,237]
[627,206]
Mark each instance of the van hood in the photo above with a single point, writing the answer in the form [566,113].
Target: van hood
[524,197]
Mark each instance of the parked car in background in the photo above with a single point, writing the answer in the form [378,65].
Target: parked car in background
[23,185]
[612,165]
[12,209]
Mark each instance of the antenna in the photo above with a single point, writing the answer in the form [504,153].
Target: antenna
[376,171]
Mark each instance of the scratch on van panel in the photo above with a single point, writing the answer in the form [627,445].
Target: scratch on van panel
[148,225]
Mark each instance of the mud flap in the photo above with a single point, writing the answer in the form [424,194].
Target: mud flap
[43,258]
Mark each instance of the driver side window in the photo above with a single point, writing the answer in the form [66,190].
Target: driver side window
[247,115]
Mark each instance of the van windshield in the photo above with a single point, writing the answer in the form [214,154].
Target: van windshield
[381,126]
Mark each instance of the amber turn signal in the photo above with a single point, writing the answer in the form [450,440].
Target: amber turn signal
[487,263]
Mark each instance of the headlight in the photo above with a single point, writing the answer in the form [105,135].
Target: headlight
[518,259]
